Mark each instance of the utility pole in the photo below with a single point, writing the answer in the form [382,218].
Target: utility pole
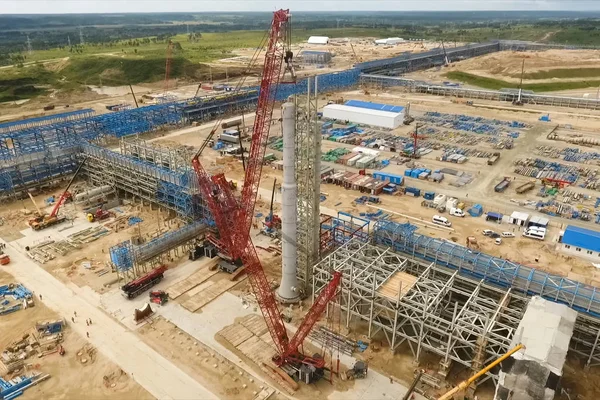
[29,49]
[81,42]
[69,40]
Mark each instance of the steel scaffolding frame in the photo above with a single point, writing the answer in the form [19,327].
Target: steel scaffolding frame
[162,156]
[498,271]
[174,190]
[131,260]
[455,317]
[7,127]
[308,178]
[442,311]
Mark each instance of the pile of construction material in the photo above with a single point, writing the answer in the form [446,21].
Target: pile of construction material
[42,340]
[14,297]
[569,154]
[14,388]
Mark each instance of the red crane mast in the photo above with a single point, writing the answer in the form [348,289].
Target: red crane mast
[233,219]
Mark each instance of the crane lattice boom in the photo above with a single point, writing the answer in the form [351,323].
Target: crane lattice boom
[233,219]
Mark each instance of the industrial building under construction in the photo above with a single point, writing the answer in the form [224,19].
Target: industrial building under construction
[297,230]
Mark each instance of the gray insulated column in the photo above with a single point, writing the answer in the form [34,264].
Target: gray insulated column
[288,290]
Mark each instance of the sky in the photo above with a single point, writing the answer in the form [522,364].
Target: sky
[117,6]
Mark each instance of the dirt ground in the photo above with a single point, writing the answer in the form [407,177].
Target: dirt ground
[97,378]
[506,65]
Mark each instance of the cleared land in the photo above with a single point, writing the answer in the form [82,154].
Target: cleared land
[544,71]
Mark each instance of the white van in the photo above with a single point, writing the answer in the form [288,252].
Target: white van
[441,220]
[535,234]
[457,212]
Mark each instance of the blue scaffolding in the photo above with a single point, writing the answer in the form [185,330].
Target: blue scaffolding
[121,256]
[498,271]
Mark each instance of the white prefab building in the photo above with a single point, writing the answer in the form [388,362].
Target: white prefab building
[318,40]
[518,218]
[392,118]
[389,41]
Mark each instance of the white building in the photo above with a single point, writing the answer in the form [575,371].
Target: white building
[580,242]
[318,40]
[518,218]
[365,113]
[389,41]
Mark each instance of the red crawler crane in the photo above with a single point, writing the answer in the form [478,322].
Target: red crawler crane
[234,218]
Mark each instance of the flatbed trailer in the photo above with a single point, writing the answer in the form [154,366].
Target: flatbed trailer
[143,283]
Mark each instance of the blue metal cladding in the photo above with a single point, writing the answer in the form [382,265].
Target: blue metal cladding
[581,237]
[498,271]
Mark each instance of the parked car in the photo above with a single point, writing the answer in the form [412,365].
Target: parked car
[487,232]
[507,235]
[498,241]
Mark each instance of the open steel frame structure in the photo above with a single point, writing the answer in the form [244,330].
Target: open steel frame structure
[438,310]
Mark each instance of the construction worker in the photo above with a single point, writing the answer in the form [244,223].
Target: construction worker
[40,297]
[73,319]
[75,313]
[87,334]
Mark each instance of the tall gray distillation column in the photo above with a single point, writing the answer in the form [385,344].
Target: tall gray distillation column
[288,289]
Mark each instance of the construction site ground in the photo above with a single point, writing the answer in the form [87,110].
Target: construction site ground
[189,341]
[102,377]
[506,66]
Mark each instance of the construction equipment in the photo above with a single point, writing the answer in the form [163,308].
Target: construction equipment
[133,95]
[415,382]
[42,221]
[233,218]
[415,135]
[472,243]
[356,58]
[358,371]
[446,61]
[99,215]
[408,119]
[502,185]
[137,286]
[159,297]
[519,100]
[467,382]
[4,259]
[272,222]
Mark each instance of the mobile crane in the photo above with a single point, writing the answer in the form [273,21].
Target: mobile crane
[233,218]
[42,221]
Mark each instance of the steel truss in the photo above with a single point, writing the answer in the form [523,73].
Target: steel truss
[459,319]
[174,190]
[308,169]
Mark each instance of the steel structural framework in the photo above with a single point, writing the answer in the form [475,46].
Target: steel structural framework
[45,120]
[498,271]
[174,190]
[442,311]
[131,260]
[457,318]
[308,168]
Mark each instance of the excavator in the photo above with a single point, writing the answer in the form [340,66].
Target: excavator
[41,220]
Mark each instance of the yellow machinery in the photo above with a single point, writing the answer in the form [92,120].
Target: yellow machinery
[466,383]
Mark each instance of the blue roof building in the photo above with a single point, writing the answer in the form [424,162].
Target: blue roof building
[582,239]
[374,106]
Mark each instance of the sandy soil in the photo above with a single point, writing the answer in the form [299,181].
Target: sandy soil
[506,65]
[97,378]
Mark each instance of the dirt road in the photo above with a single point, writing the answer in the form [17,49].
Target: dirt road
[148,368]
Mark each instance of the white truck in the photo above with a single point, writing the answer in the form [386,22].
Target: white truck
[457,212]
